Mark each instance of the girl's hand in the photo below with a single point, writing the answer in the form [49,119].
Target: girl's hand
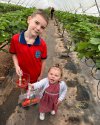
[58,103]
[30,86]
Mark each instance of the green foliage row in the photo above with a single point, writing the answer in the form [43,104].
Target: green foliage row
[4,7]
[11,23]
[85,32]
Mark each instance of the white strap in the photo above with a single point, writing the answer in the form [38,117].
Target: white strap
[51,93]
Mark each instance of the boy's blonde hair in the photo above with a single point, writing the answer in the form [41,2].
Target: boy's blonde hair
[42,13]
[57,66]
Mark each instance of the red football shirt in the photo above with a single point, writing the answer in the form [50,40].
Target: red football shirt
[29,56]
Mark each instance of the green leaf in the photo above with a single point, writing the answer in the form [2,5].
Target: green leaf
[82,45]
[98,65]
[81,55]
[2,27]
[95,41]
[99,47]
[2,39]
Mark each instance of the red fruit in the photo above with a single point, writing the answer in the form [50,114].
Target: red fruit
[26,102]
[24,84]
[35,100]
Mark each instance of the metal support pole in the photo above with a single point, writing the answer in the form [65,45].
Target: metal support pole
[97,7]
[18,2]
[9,1]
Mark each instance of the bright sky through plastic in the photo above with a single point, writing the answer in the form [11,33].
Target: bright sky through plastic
[88,7]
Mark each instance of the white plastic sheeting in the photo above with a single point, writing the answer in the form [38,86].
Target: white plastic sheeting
[90,7]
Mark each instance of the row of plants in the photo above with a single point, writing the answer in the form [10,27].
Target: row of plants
[11,23]
[85,32]
[4,7]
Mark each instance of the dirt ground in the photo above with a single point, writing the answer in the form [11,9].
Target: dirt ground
[5,63]
[81,105]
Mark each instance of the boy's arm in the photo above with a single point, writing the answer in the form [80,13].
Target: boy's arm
[17,68]
[42,69]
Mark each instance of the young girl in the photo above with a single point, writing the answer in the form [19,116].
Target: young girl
[53,91]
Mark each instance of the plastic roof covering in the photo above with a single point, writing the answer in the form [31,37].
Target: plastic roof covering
[88,7]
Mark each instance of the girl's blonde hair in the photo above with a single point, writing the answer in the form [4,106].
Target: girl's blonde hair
[42,13]
[57,66]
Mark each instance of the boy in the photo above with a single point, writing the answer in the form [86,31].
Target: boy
[29,51]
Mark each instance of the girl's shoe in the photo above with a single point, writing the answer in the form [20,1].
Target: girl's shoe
[53,112]
[42,116]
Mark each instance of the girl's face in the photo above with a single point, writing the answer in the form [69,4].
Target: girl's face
[36,25]
[54,75]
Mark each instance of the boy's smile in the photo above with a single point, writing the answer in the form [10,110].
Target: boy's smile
[37,25]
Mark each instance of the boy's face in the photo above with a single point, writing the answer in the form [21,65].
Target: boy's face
[36,25]
[54,75]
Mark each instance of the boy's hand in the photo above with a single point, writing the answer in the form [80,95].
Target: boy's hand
[18,71]
[39,78]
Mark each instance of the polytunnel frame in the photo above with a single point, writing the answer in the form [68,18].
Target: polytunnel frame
[64,6]
[97,7]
